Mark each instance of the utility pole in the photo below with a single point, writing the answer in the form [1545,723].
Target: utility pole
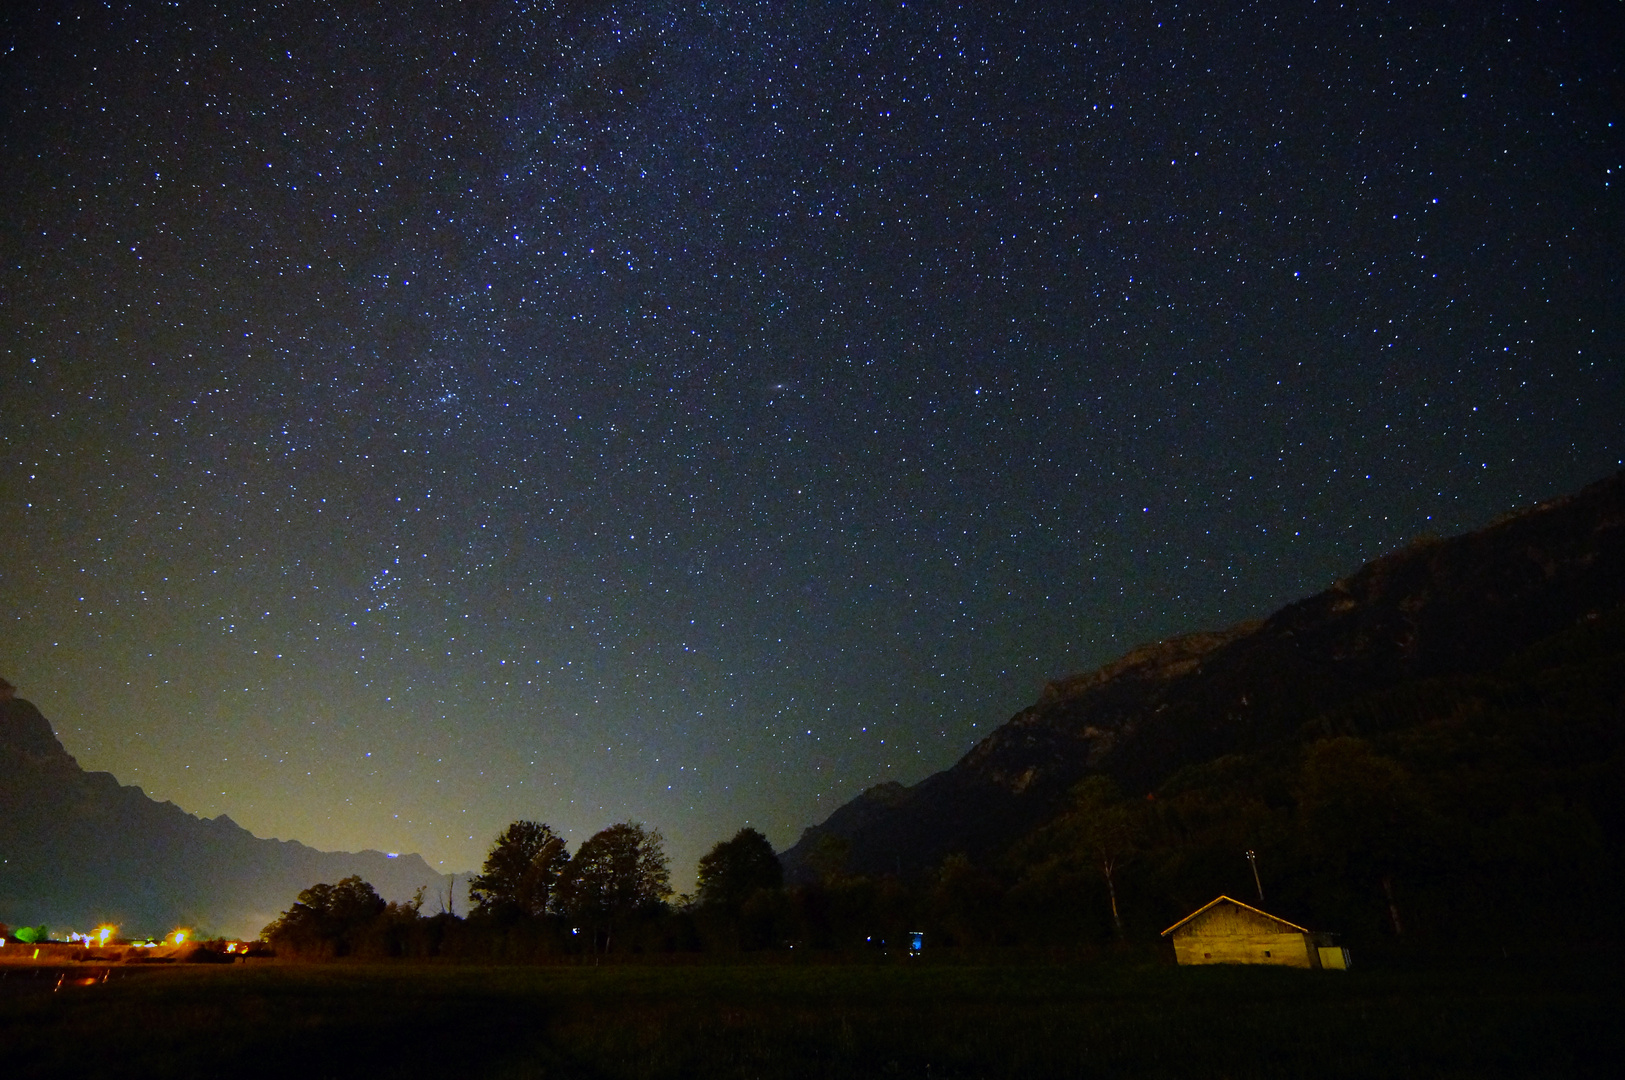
[1252,860]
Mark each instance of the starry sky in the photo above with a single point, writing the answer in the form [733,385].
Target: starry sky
[419,416]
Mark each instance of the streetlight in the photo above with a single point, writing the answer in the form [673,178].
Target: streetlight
[1252,860]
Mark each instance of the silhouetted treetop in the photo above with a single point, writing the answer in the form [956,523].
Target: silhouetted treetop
[616,872]
[522,872]
[734,869]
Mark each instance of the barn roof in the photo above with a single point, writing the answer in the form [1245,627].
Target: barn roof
[1238,903]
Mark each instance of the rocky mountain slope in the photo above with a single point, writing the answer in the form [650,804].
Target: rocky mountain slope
[1437,607]
[77,850]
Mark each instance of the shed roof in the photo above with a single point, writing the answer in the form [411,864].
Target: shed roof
[1238,903]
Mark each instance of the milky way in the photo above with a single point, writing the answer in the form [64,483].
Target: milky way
[419,416]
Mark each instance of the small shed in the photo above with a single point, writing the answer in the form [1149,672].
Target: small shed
[1228,931]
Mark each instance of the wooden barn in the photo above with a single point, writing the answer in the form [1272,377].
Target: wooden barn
[1230,932]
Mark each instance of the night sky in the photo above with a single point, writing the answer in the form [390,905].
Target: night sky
[416,417]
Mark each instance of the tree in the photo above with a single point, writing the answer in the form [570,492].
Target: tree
[967,901]
[732,871]
[617,873]
[521,874]
[1099,828]
[1365,815]
[828,858]
[327,919]
[740,897]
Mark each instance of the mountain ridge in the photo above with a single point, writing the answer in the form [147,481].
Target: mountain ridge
[79,849]
[1434,607]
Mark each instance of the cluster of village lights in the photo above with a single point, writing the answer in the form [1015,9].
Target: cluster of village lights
[100,936]
[103,936]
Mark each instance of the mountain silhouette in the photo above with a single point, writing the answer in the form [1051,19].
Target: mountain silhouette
[79,850]
[1434,608]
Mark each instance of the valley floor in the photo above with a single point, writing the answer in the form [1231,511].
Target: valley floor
[916,1019]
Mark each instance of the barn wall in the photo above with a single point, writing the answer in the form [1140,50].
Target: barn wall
[1231,935]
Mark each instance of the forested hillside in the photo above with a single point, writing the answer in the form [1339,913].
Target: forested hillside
[1488,805]
[1431,746]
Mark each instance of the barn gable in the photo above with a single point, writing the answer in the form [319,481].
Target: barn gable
[1228,931]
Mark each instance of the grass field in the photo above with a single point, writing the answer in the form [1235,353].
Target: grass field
[904,1020]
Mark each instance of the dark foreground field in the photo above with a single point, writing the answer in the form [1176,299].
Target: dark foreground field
[921,1020]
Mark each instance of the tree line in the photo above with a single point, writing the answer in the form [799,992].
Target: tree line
[533,897]
[1450,811]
